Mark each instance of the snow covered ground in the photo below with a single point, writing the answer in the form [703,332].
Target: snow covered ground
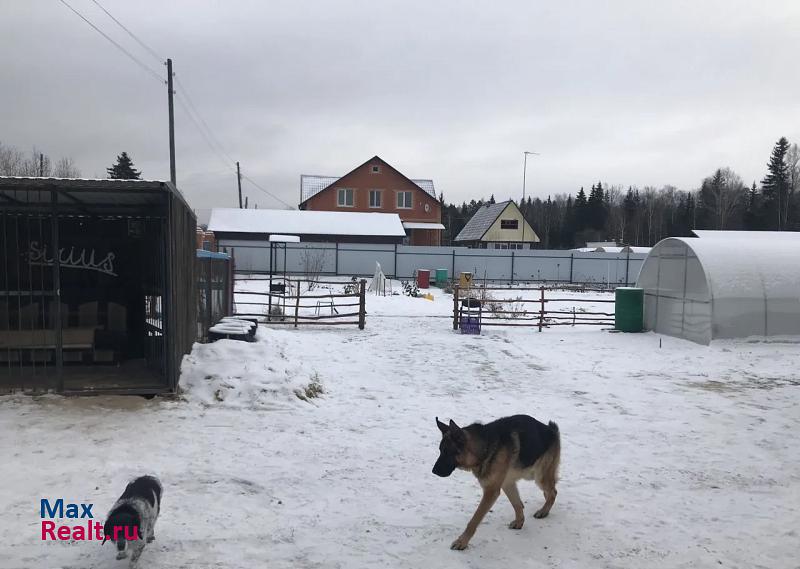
[674,454]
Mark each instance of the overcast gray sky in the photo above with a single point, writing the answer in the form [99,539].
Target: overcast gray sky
[628,92]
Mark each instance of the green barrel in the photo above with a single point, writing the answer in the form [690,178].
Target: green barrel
[441,276]
[629,309]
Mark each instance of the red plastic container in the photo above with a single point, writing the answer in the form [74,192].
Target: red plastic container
[423,278]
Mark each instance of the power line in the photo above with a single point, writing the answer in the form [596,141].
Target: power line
[118,46]
[273,196]
[185,93]
[208,134]
[130,33]
[205,136]
[184,100]
[220,152]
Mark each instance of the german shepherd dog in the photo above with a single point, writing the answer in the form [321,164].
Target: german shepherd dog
[498,454]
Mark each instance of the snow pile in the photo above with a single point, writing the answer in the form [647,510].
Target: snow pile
[258,374]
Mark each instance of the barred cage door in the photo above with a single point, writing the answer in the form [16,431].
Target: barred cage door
[30,306]
[155,305]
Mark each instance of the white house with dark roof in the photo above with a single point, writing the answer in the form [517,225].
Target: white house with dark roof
[498,226]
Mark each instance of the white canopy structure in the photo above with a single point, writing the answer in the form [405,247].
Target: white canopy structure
[723,284]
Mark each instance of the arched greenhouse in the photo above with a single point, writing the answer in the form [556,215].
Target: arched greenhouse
[723,284]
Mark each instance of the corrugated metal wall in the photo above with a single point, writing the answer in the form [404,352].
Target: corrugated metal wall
[401,261]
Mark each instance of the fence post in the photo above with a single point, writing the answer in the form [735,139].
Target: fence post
[362,309]
[453,263]
[231,282]
[395,261]
[541,310]
[627,263]
[571,259]
[336,261]
[455,307]
[512,267]
[297,303]
[209,313]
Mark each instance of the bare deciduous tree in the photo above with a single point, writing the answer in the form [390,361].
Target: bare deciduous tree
[722,193]
[793,162]
[14,162]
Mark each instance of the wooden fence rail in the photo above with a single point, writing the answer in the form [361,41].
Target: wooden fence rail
[283,308]
[514,312]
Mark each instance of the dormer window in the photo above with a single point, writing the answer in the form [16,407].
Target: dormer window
[509,224]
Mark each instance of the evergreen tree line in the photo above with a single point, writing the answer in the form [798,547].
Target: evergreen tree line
[644,216]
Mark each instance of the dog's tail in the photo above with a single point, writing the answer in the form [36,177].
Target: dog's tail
[551,459]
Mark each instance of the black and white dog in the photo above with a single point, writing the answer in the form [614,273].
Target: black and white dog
[133,517]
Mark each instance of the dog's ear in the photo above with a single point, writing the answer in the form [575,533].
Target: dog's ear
[442,426]
[456,433]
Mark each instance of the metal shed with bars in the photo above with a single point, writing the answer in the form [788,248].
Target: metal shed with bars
[97,285]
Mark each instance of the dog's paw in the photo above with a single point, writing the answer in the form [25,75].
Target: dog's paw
[517,524]
[461,543]
[122,555]
[151,539]
[541,514]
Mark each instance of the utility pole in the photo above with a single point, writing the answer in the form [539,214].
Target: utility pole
[170,92]
[524,172]
[239,180]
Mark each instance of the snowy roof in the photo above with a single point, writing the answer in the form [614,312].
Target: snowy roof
[106,190]
[480,223]
[422,225]
[311,185]
[300,222]
[278,238]
[616,249]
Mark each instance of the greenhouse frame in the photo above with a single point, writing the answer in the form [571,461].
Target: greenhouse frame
[723,284]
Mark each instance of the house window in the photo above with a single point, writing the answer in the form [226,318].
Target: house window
[375,198]
[345,197]
[404,200]
[376,169]
[509,224]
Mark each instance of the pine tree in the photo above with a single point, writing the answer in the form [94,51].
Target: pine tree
[491,199]
[123,169]
[581,208]
[751,210]
[596,210]
[775,187]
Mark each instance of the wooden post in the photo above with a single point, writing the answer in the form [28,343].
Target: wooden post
[362,308]
[455,307]
[296,305]
[239,181]
[541,310]
[512,267]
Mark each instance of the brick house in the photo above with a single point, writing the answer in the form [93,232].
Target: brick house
[205,240]
[375,186]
